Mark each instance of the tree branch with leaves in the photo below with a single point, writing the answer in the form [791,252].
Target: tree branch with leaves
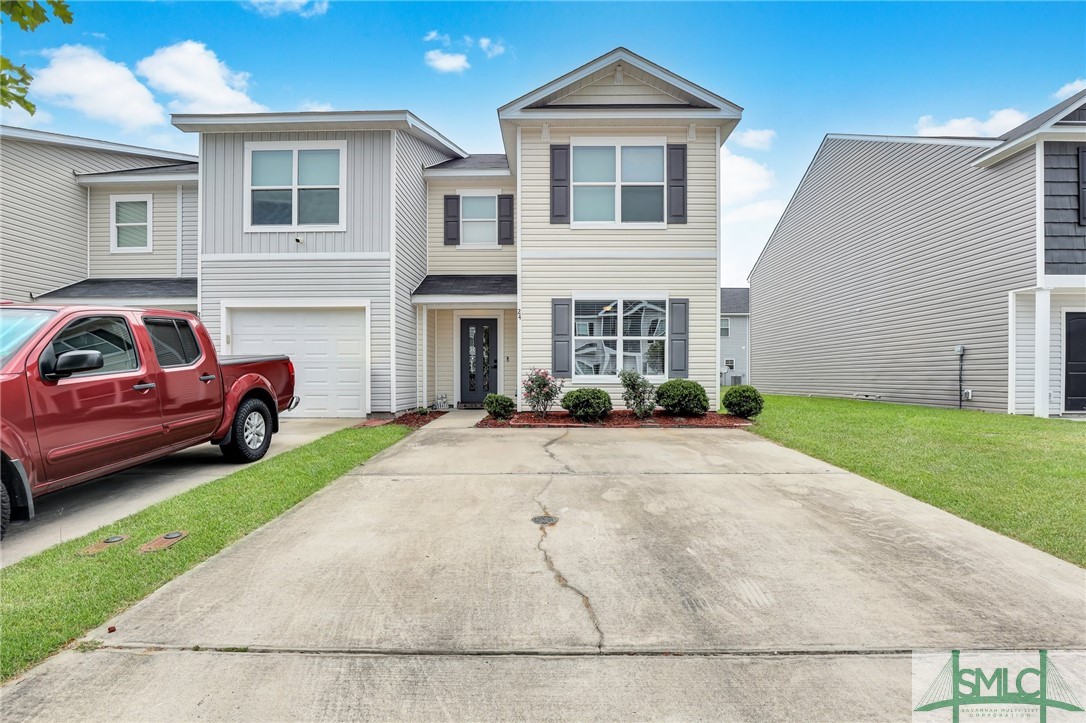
[28,15]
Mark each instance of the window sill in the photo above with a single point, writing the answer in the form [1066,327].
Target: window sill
[480,247]
[582,380]
[586,226]
[148,250]
[294,229]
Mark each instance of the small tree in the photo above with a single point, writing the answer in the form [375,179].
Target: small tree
[638,393]
[541,391]
[28,15]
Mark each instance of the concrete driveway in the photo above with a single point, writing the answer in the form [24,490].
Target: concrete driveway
[691,574]
[75,511]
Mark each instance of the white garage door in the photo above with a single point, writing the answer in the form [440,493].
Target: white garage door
[327,346]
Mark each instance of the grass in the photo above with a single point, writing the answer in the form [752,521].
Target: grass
[1020,476]
[56,596]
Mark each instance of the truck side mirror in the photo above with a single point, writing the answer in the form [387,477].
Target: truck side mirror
[71,362]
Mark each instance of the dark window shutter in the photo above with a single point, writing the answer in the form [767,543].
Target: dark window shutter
[452,220]
[562,338]
[1082,186]
[505,220]
[676,183]
[560,183]
[678,338]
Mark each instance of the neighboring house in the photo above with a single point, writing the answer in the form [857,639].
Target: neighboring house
[897,253]
[87,221]
[398,270]
[734,336]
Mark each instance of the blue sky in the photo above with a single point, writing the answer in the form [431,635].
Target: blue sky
[799,70]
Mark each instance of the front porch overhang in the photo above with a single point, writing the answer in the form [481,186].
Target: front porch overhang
[486,291]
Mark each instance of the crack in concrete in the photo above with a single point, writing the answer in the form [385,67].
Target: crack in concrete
[558,576]
[549,453]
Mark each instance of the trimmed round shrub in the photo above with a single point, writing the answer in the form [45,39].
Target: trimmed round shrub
[683,397]
[499,406]
[744,401]
[588,404]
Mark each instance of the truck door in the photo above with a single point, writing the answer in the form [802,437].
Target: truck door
[93,419]
[190,391]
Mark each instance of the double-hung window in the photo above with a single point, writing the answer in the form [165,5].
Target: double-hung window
[478,218]
[295,185]
[614,334]
[618,182]
[130,218]
[725,326]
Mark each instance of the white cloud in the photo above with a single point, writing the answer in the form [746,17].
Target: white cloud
[768,209]
[199,81]
[746,221]
[98,36]
[81,78]
[492,48]
[314,105]
[275,8]
[1070,89]
[742,178]
[999,122]
[16,116]
[759,140]
[444,62]
[470,41]
[435,36]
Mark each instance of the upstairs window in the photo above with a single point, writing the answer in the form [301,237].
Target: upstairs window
[478,219]
[618,183]
[294,186]
[130,224]
[725,326]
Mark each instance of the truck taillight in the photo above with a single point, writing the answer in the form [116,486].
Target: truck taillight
[290,366]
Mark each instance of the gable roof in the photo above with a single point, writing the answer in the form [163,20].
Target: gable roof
[477,164]
[1045,126]
[59,139]
[735,300]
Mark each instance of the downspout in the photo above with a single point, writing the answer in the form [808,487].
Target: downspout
[88,232]
[180,214]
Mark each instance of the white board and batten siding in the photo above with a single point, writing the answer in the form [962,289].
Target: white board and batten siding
[888,256]
[43,218]
[679,261]
[161,261]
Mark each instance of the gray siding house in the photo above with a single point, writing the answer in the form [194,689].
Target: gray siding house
[734,336]
[87,221]
[936,271]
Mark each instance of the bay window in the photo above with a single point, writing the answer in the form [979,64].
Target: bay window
[618,182]
[295,185]
[614,334]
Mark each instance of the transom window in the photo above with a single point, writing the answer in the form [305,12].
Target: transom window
[725,326]
[614,334]
[130,224]
[478,218]
[618,182]
[294,185]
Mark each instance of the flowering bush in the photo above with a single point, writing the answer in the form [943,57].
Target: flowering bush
[638,393]
[541,391]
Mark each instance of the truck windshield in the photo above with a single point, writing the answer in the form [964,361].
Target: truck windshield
[17,326]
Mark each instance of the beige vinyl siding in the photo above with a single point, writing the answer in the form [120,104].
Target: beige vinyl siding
[161,261]
[412,155]
[605,92]
[368,196]
[1025,368]
[284,281]
[888,256]
[444,330]
[1062,302]
[464,259]
[190,242]
[43,213]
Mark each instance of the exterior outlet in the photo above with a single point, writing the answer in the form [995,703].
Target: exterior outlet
[967,395]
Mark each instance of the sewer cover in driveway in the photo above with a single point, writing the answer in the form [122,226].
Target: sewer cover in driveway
[544,520]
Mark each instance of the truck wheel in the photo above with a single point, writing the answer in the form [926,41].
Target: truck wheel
[5,510]
[251,432]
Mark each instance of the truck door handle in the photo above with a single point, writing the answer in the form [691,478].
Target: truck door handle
[207,377]
[144,386]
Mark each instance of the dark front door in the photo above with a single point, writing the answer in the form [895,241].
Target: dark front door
[1075,363]
[478,359]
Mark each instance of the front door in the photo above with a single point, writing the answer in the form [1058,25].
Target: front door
[1075,363]
[478,360]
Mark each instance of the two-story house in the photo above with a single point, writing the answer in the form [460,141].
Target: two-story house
[398,270]
[89,221]
[939,271]
[734,336]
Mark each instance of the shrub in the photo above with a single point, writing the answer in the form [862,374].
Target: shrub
[744,401]
[499,406]
[588,404]
[683,397]
[422,410]
[541,391]
[638,393]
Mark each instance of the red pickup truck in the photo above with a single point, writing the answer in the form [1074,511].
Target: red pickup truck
[86,391]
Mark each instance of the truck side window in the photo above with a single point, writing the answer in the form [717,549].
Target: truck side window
[107,334]
[175,344]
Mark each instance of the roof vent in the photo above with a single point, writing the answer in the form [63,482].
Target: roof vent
[618,74]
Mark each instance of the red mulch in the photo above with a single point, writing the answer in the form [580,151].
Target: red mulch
[620,419]
[414,420]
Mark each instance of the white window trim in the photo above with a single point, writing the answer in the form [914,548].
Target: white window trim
[113,201]
[618,142]
[621,298]
[294,146]
[729,367]
[478,192]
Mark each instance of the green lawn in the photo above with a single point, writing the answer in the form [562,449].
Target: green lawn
[54,597]
[1020,476]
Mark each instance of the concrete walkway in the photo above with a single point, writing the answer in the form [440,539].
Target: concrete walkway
[691,574]
[75,511]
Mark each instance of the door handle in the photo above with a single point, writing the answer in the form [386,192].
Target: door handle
[143,386]
[207,377]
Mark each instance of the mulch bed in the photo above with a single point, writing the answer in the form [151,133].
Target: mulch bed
[414,420]
[618,419]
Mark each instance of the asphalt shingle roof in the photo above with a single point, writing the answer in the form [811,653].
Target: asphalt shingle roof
[468,285]
[476,162]
[735,301]
[171,288]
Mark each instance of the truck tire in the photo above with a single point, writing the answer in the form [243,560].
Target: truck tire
[5,510]
[251,432]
